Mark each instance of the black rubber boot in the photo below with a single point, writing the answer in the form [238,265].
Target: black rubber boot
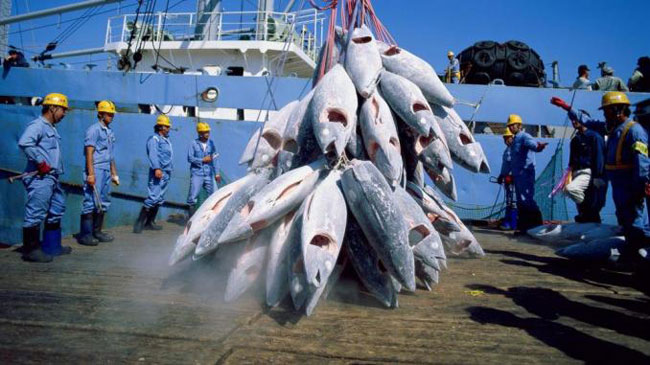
[51,244]
[85,236]
[32,247]
[98,224]
[139,223]
[150,224]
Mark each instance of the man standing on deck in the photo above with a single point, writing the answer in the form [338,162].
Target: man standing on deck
[609,82]
[452,73]
[45,197]
[202,156]
[523,173]
[626,164]
[160,155]
[582,82]
[588,187]
[509,222]
[100,171]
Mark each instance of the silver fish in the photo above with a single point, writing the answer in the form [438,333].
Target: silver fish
[248,266]
[249,151]
[380,137]
[270,142]
[371,201]
[333,111]
[428,275]
[277,269]
[433,208]
[443,180]
[362,61]
[298,138]
[423,238]
[273,202]
[566,234]
[323,226]
[464,149]
[405,64]
[596,250]
[298,286]
[235,196]
[365,261]
[407,101]
[323,290]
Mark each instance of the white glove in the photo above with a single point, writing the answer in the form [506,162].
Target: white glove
[599,183]
[115,179]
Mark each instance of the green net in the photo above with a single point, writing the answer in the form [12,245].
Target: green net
[552,208]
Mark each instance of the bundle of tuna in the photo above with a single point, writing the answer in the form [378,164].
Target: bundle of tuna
[338,177]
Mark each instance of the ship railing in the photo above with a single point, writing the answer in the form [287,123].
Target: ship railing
[304,28]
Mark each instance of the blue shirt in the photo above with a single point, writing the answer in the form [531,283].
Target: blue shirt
[506,161]
[523,152]
[632,154]
[41,142]
[195,156]
[101,137]
[160,153]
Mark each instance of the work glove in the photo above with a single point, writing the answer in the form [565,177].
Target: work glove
[647,189]
[90,179]
[561,103]
[115,179]
[599,183]
[508,179]
[541,146]
[43,168]
[207,159]
[158,173]
[217,177]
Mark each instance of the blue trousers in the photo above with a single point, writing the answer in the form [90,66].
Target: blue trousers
[156,189]
[629,204]
[196,181]
[525,190]
[45,199]
[103,186]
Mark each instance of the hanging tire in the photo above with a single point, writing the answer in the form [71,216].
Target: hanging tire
[485,45]
[519,60]
[484,58]
[517,45]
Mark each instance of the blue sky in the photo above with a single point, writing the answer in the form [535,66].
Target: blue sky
[570,31]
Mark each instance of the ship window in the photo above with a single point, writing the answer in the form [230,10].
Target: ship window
[235,71]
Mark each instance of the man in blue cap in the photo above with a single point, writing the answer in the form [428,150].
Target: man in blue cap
[160,155]
[45,197]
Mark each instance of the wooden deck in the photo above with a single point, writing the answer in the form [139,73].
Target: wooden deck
[119,302]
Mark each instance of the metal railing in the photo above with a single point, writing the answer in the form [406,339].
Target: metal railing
[305,28]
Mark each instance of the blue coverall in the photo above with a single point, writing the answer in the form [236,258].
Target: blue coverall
[160,154]
[201,173]
[100,137]
[523,173]
[510,219]
[45,198]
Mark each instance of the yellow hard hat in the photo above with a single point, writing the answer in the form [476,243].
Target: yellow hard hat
[106,106]
[507,133]
[202,127]
[614,98]
[450,54]
[56,99]
[513,119]
[163,120]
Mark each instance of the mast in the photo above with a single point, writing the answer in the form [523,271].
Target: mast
[207,19]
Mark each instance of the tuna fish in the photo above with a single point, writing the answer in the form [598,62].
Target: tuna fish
[443,180]
[380,137]
[371,271]
[270,142]
[565,234]
[418,71]
[322,291]
[362,61]
[407,101]
[298,286]
[234,197]
[433,208]
[277,269]
[464,148]
[248,266]
[596,250]
[298,139]
[323,226]
[249,151]
[428,275]
[371,201]
[273,202]
[333,111]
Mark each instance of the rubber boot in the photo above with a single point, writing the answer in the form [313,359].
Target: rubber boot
[31,246]
[139,223]
[52,240]
[85,236]
[150,224]
[98,224]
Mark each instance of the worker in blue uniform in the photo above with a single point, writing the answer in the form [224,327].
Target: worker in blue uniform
[160,155]
[522,165]
[588,187]
[202,156]
[452,73]
[41,144]
[509,222]
[642,115]
[626,164]
[100,171]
